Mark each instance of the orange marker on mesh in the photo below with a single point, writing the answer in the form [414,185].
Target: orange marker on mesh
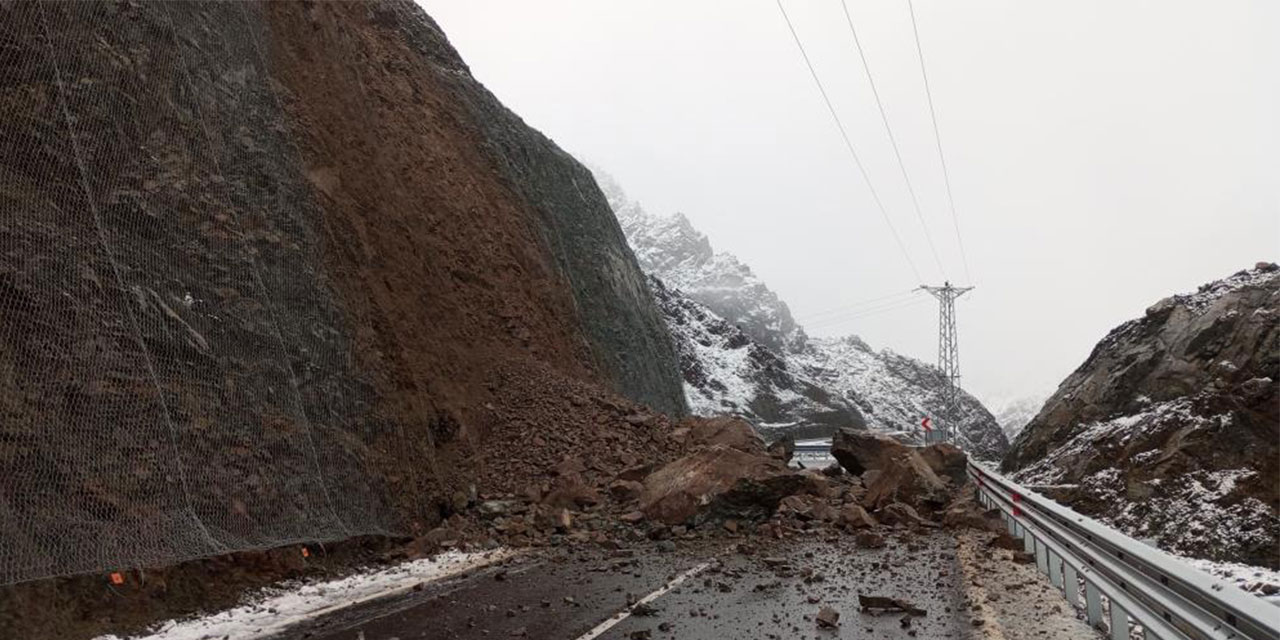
[117,578]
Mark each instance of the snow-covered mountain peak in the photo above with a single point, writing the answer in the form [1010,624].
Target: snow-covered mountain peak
[669,247]
[742,353]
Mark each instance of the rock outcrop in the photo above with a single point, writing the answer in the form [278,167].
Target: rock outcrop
[1171,428]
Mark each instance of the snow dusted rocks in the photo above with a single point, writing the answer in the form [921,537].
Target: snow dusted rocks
[726,372]
[741,352]
[1171,429]
[681,256]
[893,392]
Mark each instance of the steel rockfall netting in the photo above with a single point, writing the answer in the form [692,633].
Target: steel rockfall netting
[175,381]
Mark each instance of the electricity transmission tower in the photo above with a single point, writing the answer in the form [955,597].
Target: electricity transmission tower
[948,356]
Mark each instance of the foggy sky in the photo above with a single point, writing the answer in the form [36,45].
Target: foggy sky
[1103,154]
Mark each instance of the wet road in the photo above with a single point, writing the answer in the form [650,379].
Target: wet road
[721,593]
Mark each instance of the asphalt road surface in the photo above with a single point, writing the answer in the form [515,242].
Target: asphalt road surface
[701,591]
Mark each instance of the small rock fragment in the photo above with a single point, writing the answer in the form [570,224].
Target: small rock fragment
[828,618]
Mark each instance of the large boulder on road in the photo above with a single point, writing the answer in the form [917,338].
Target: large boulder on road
[862,451]
[907,478]
[948,461]
[732,432]
[783,449]
[717,481]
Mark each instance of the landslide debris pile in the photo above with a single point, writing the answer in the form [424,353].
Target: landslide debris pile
[700,478]
[274,273]
[1170,430]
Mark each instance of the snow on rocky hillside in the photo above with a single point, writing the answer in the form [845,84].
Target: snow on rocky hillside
[1170,430]
[671,249]
[726,372]
[894,392]
[742,352]
[1198,512]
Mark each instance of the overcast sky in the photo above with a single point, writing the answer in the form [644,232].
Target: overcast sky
[1103,153]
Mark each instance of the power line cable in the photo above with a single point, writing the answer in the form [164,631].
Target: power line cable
[856,305]
[892,304]
[933,116]
[893,142]
[831,322]
[848,144]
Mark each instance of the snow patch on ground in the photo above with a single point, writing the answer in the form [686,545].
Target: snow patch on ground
[1247,577]
[1189,511]
[274,609]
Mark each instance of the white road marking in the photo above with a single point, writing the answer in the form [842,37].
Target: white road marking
[626,613]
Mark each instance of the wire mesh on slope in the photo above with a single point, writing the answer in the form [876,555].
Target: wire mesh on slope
[174,378]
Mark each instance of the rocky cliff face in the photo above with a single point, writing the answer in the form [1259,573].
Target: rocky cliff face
[265,271]
[743,354]
[1171,428]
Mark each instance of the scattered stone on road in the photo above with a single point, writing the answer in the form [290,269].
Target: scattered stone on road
[880,604]
[828,618]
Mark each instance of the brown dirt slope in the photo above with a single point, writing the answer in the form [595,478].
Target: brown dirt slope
[265,270]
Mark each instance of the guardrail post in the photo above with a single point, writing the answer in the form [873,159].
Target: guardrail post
[1119,622]
[1042,557]
[1055,569]
[1071,585]
[1092,604]
[1028,541]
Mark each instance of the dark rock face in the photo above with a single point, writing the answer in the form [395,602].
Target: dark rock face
[260,268]
[1171,428]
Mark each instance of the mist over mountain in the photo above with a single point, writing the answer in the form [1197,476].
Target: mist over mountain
[672,249]
[742,353]
[1013,415]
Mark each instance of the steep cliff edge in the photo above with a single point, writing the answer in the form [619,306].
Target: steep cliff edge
[267,271]
[1171,428]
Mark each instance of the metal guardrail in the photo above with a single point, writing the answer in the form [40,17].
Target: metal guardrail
[1167,598]
[811,452]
